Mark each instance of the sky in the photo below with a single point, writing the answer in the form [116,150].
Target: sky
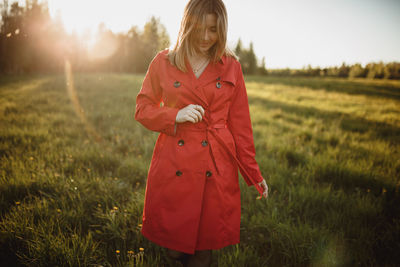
[288,33]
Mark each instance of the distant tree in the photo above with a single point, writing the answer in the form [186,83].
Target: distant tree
[104,49]
[343,71]
[28,38]
[12,22]
[252,60]
[261,69]
[32,41]
[357,71]
[375,70]
[154,38]
[247,58]
[392,70]
[4,15]
[238,48]
[134,45]
[333,72]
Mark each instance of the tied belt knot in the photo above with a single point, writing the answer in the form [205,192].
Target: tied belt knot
[211,128]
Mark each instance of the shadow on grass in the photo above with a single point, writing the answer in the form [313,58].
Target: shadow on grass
[15,82]
[349,180]
[369,233]
[349,123]
[12,193]
[352,87]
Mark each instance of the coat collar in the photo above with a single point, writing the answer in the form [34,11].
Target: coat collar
[223,70]
[222,60]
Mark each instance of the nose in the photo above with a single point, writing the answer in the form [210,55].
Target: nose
[205,35]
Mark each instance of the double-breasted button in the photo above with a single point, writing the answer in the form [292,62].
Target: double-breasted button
[218,85]
[178,173]
[181,142]
[208,173]
[177,84]
[204,143]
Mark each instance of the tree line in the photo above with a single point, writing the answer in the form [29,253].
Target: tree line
[373,70]
[31,41]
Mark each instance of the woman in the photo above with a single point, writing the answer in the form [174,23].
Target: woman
[195,96]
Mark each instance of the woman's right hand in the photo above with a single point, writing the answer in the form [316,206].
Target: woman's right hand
[192,113]
[264,185]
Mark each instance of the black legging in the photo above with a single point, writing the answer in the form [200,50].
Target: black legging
[201,258]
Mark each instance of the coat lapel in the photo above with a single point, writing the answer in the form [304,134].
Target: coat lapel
[195,86]
[214,72]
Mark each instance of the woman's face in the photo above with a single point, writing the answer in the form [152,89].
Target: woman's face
[208,35]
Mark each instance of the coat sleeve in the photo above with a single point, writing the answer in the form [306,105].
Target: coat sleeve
[149,111]
[239,124]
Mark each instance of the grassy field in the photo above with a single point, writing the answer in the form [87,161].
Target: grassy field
[74,163]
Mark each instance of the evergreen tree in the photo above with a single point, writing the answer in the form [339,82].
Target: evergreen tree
[154,38]
[261,69]
[344,70]
[238,48]
[252,60]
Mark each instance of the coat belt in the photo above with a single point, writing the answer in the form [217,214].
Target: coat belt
[211,129]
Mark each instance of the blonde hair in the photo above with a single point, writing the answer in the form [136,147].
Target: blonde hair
[194,15]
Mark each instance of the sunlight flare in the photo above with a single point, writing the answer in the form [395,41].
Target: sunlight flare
[75,101]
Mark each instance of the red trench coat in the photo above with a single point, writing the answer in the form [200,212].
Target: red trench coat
[192,198]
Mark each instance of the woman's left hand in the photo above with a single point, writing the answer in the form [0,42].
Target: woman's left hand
[264,185]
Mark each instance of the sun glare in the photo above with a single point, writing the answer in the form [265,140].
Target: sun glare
[80,17]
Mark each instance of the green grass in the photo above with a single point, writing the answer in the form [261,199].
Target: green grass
[73,175]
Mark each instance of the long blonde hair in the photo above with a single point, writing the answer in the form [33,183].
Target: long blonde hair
[194,15]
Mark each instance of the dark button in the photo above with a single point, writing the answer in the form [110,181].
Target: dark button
[219,78]
[208,173]
[177,84]
[204,143]
[181,142]
[178,173]
[219,85]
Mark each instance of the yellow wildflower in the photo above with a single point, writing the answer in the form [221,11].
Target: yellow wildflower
[117,251]
[141,249]
[17,203]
